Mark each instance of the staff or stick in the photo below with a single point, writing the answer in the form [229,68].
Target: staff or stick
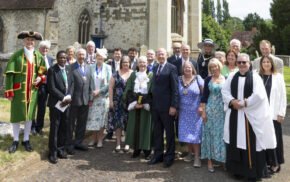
[248,142]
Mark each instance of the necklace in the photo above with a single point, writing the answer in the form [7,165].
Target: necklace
[185,85]
[266,82]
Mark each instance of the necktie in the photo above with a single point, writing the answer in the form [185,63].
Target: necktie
[159,70]
[64,76]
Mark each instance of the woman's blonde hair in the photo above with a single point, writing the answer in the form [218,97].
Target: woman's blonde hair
[216,62]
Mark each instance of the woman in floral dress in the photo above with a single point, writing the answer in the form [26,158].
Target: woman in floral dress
[118,115]
[212,146]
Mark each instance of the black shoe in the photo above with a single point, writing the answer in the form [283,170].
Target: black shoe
[154,161]
[40,133]
[136,153]
[167,164]
[52,159]
[13,147]
[62,154]
[81,147]
[70,151]
[27,146]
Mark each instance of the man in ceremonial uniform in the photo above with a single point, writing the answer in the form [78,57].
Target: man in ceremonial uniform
[24,73]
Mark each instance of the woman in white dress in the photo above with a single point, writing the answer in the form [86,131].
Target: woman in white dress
[99,106]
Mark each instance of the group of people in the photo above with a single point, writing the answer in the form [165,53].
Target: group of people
[223,106]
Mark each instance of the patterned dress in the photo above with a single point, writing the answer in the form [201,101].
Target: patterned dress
[189,125]
[118,116]
[213,146]
[98,112]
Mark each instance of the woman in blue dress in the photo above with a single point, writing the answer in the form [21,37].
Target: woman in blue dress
[189,126]
[212,146]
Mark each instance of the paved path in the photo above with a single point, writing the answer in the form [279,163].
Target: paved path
[103,165]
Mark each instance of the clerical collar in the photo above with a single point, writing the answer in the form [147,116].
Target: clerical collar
[244,75]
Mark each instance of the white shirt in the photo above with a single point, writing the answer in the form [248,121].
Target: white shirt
[141,81]
[29,54]
[46,62]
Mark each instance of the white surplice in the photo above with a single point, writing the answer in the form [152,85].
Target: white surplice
[257,111]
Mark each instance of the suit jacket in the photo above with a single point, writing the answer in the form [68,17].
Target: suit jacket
[165,88]
[106,75]
[134,66]
[56,85]
[80,88]
[178,64]
[277,61]
[111,62]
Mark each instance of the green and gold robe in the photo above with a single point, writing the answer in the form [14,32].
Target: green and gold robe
[20,75]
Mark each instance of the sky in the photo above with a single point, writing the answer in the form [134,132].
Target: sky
[241,8]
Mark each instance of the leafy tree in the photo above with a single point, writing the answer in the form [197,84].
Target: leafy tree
[219,14]
[280,12]
[226,13]
[206,7]
[212,6]
[211,29]
[234,24]
[253,20]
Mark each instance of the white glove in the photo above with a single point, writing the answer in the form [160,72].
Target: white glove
[37,80]
[132,105]
[146,107]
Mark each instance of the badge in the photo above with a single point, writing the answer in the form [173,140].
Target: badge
[185,91]
[84,78]
[203,64]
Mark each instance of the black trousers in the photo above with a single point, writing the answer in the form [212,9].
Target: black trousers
[163,121]
[77,124]
[41,106]
[58,130]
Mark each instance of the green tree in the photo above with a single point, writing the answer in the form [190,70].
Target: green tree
[234,24]
[211,29]
[206,9]
[219,15]
[226,13]
[212,6]
[253,20]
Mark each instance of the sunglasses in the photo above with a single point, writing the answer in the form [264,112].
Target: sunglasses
[241,62]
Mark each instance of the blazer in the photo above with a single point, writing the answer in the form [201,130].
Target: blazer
[80,88]
[165,88]
[134,66]
[56,85]
[277,61]
[111,62]
[178,64]
[106,74]
[50,60]
[278,101]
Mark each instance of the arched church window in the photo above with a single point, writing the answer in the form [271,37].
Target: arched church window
[84,27]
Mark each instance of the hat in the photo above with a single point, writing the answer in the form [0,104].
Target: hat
[207,41]
[102,52]
[31,34]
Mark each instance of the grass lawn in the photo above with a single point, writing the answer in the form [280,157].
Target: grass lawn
[4,109]
[287,82]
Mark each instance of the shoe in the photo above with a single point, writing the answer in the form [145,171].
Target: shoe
[147,155]
[197,163]
[210,169]
[136,153]
[81,147]
[13,147]
[188,158]
[127,148]
[154,161]
[40,133]
[70,151]
[109,136]
[167,164]
[100,145]
[52,159]
[274,169]
[27,146]
[91,143]
[62,154]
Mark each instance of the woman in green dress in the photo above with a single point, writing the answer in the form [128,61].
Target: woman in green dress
[137,95]
[230,64]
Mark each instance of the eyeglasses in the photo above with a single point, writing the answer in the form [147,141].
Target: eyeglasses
[241,62]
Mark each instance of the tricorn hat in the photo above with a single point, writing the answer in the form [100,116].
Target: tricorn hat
[208,42]
[31,34]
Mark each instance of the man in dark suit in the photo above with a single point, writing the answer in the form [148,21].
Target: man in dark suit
[165,101]
[185,56]
[37,124]
[176,52]
[115,62]
[57,83]
[133,54]
[151,60]
[81,88]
